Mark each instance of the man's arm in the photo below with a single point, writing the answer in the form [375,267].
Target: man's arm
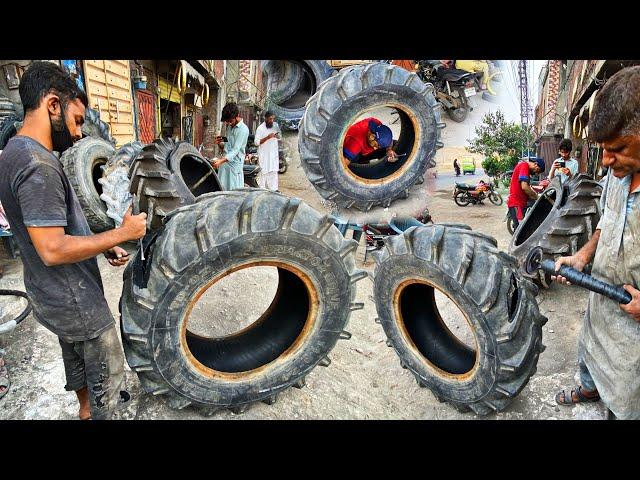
[55,247]
[526,188]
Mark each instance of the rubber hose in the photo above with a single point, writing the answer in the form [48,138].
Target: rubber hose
[10,325]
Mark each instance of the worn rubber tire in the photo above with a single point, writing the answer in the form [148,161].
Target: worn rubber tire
[461,199]
[8,129]
[289,117]
[567,227]
[115,180]
[216,235]
[93,126]
[82,163]
[458,115]
[510,226]
[338,102]
[157,179]
[284,79]
[495,198]
[486,285]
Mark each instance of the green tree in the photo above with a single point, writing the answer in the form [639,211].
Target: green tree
[506,139]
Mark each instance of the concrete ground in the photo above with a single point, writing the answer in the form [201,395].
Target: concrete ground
[364,380]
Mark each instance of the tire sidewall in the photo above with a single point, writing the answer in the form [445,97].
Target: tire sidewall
[388,277]
[330,149]
[324,268]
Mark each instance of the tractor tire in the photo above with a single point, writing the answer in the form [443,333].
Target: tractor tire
[201,243]
[338,103]
[93,126]
[8,129]
[485,284]
[561,228]
[7,108]
[163,177]
[284,79]
[115,181]
[83,164]
[289,112]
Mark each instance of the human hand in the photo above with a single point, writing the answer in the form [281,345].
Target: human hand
[633,307]
[135,226]
[566,171]
[117,256]
[574,261]
[392,156]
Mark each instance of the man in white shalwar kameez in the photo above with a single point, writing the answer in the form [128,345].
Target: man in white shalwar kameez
[266,139]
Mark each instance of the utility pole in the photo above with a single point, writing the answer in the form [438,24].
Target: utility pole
[525,107]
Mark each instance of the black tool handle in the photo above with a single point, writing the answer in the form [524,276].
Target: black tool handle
[618,294]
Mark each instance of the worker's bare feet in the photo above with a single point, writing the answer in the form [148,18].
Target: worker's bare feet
[85,408]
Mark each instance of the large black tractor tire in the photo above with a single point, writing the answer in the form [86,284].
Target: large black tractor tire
[200,243]
[289,112]
[83,164]
[560,228]
[8,129]
[164,177]
[485,284]
[115,180]
[338,103]
[7,108]
[284,79]
[93,126]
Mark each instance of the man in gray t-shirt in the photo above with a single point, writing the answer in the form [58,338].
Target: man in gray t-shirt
[58,251]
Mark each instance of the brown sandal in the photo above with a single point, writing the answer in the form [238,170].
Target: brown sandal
[579,395]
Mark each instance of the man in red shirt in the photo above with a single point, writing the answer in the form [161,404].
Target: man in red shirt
[368,139]
[520,191]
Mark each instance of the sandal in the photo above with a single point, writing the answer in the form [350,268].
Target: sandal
[5,383]
[580,397]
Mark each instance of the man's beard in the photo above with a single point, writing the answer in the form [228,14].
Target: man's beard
[61,138]
[269,125]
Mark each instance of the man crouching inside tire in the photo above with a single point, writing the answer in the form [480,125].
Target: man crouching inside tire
[58,251]
[521,195]
[609,343]
[367,140]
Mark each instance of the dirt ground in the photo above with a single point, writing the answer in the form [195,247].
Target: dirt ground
[364,380]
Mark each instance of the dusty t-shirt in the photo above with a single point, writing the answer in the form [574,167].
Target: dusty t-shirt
[35,192]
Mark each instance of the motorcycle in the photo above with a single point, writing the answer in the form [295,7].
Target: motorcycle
[464,194]
[375,233]
[453,87]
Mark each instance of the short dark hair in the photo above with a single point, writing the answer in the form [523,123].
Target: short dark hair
[268,113]
[616,111]
[565,145]
[42,78]
[230,111]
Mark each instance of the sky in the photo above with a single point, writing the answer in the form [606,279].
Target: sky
[511,102]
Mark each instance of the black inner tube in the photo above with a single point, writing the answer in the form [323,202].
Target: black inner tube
[263,341]
[192,169]
[534,219]
[17,293]
[430,334]
[377,169]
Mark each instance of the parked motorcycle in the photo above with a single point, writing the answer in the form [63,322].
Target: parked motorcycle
[375,233]
[464,194]
[453,87]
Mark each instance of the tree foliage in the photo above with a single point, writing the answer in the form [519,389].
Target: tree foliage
[501,142]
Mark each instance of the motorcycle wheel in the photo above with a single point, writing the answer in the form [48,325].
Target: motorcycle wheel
[511,225]
[458,115]
[461,199]
[283,168]
[495,198]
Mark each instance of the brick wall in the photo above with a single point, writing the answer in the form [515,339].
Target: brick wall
[553,83]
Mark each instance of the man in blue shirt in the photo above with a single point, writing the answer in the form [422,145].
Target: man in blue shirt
[564,167]
[230,166]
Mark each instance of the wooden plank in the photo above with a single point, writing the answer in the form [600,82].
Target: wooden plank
[93,74]
[117,68]
[122,139]
[120,129]
[118,82]
[124,118]
[95,63]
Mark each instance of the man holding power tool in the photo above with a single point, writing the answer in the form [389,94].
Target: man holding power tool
[609,344]
[58,251]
